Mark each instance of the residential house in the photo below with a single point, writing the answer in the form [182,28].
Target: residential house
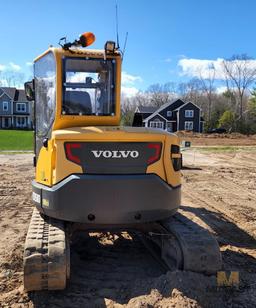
[15,110]
[172,116]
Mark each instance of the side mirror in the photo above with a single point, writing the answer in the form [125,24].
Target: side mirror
[29,90]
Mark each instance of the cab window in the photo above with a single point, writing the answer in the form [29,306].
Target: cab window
[88,87]
[45,97]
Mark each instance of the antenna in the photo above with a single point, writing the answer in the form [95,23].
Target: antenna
[117,36]
[125,41]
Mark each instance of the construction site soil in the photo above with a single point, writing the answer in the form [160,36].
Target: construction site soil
[234,139]
[115,270]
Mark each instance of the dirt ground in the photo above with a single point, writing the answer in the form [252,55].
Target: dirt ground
[114,270]
[234,139]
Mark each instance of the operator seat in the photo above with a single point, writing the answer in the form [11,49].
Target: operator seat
[77,102]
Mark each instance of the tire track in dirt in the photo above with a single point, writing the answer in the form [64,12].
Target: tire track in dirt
[223,197]
[221,194]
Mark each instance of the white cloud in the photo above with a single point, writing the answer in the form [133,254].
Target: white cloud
[129,91]
[14,67]
[2,67]
[221,89]
[201,68]
[128,79]
[29,63]
[168,60]
[10,67]
[204,68]
[129,84]
[81,77]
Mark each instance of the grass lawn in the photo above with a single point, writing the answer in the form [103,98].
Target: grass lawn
[16,140]
[219,149]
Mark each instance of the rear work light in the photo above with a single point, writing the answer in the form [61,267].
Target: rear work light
[176,157]
[157,152]
[72,153]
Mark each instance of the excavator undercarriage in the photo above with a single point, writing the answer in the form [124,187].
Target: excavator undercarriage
[178,241]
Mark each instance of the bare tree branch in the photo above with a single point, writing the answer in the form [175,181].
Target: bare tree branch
[240,74]
[208,87]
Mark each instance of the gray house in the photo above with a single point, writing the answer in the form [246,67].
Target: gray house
[172,116]
[15,110]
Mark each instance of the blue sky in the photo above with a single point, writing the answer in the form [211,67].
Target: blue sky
[161,33]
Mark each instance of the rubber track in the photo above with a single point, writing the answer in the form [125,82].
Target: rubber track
[46,255]
[199,248]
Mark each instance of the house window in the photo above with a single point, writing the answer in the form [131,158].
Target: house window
[189,113]
[6,122]
[169,113]
[21,107]
[156,124]
[169,126]
[5,106]
[21,122]
[188,125]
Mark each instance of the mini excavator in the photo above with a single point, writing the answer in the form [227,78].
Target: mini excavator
[93,174]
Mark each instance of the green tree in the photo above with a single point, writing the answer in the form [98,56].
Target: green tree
[127,111]
[252,104]
[227,120]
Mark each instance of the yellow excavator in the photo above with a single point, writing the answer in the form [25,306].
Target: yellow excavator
[93,174]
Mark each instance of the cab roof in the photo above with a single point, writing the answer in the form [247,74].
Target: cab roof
[74,52]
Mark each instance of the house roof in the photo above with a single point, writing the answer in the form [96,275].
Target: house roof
[155,115]
[21,96]
[163,107]
[146,109]
[16,95]
[185,105]
[10,92]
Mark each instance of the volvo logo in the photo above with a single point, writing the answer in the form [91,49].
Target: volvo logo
[115,154]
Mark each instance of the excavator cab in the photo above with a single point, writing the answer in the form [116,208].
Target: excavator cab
[74,88]
[92,173]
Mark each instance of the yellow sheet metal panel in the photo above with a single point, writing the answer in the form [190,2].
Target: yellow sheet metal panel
[173,177]
[53,166]
[162,167]
[157,168]
[107,132]
[45,164]
[63,167]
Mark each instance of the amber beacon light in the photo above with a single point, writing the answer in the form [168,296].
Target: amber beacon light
[86,39]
